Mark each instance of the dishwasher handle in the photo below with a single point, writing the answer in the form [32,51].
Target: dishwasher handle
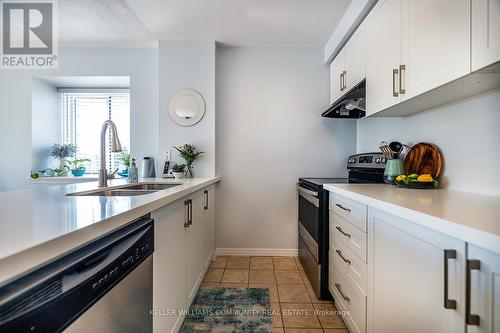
[97,261]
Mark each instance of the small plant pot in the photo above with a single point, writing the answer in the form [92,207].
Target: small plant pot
[178,174]
[78,172]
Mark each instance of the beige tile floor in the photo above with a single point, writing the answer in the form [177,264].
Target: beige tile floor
[296,307]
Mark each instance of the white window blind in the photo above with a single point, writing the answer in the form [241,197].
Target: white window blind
[84,112]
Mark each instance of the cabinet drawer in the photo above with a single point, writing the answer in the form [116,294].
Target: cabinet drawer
[351,210]
[345,235]
[349,298]
[343,259]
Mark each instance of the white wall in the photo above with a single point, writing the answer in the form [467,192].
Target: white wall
[270,133]
[45,123]
[467,131]
[15,128]
[188,65]
[140,64]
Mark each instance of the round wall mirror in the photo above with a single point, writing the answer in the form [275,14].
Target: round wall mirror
[186,107]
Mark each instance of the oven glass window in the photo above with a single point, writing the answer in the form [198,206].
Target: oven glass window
[309,217]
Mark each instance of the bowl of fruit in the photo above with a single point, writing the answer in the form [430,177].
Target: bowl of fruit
[424,181]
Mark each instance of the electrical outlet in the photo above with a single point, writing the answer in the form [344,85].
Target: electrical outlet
[168,155]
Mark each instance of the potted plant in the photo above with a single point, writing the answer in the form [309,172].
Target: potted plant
[178,170]
[189,154]
[77,167]
[62,152]
[53,172]
[126,159]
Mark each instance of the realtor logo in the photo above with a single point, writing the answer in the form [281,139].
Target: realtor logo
[28,34]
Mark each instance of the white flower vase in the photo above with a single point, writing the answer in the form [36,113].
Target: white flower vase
[62,163]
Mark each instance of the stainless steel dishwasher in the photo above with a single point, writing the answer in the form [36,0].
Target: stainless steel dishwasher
[105,286]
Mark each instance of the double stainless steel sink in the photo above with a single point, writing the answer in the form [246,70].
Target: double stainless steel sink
[128,190]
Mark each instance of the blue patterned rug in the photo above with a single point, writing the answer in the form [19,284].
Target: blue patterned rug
[225,310]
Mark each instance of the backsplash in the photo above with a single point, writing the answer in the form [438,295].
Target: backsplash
[467,131]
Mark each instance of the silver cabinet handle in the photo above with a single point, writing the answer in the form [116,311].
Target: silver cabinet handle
[344,74]
[342,207]
[206,199]
[343,258]
[401,69]
[394,91]
[343,232]
[470,319]
[448,303]
[341,293]
[186,207]
[340,82]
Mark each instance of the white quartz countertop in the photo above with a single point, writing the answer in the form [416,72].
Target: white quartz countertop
[42,223]
[474,218]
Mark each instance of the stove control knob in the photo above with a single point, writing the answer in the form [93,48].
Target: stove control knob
[384,160]
[377,160]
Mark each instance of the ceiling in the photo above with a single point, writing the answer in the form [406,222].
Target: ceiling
[100,23]
[87,81]
[231,22]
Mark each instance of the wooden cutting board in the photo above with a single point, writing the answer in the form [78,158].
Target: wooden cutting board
[424,158]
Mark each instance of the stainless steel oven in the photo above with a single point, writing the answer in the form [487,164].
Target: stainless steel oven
[311,235]
[313,216]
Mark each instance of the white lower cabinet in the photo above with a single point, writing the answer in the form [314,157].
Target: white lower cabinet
[200,239]
[195,239]
[483,315]
[184,247]
[412,278]
[169,267]
[417,278]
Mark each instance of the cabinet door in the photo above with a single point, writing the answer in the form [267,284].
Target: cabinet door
[336,77]
[169,270]
[485,290]
[383,55]
[485,33]
[209,225]
[408,272]
[355,58]
[436,44]
[195,246]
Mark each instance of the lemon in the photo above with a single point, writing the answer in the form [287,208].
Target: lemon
[425,178]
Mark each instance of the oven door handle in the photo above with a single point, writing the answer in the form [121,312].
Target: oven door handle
[309,195]
[306,191]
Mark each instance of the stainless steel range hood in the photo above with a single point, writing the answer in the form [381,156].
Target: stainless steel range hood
[351,105]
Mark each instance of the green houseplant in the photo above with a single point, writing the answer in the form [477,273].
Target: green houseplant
[125,158]
[189,154]
[178,170]
[77,166]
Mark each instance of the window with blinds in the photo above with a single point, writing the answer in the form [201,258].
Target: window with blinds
[83,113]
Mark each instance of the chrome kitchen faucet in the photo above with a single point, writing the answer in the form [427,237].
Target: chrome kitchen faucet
[116,147]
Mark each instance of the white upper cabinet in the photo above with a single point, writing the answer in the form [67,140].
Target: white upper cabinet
[485,33]
[383,55]
[355,58]
[436,44]
[348,67]
[337,83]
[484,278]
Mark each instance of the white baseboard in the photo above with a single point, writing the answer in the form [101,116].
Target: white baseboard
[256,252]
